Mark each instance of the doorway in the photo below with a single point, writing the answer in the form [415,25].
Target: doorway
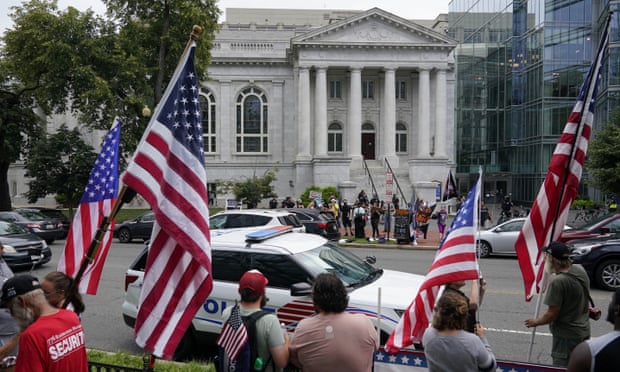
[368,146]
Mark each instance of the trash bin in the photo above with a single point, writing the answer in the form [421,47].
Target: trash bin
[401,226]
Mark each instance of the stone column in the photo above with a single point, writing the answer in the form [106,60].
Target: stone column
[303,115]
[354,132]
[389,116]
[423,112]
[320,114]
[440,114]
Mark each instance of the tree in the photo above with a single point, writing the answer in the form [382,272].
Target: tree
[97,68]
[603,161]
[252,190]
[60,164]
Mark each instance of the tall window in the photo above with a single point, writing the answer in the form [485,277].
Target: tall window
[401,89]
[252,121]
[334,137]
[368,89]
[334,89]
[401,137]
[207,108]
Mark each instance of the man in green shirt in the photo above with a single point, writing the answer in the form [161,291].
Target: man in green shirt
[567,301]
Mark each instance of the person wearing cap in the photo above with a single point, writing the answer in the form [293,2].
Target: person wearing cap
[52,339]
[567,300]
[270,339]
[600,353]
[333,340]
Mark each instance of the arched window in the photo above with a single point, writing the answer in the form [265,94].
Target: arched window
[334,137]
[207,108]
[401,137]
[252,121]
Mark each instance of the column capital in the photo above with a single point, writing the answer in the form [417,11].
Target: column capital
[356,68]
[321,67]
[390,68]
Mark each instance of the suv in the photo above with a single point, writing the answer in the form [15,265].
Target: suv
[317,222]
[136,228]
[234,219]
[290,262]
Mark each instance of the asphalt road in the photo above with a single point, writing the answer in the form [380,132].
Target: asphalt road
[502,312]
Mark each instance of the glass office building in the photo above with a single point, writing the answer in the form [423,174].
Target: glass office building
[520,65]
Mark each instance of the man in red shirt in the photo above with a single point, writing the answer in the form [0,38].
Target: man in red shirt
[52,340]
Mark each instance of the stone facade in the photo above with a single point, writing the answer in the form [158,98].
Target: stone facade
[371,86]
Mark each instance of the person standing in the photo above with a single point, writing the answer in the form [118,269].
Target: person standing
[60,291]
[333,339]
[52,340]
[485,215]
[272,344]
[599,354]
[375,214]
[359,219]
[567,300]
[345,212]
[442,221]
[448,346]
[273,203]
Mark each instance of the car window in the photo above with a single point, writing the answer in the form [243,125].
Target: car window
[8,217]
[7,228]
[228,266]
[149,217]
[613,226]
[281,271]
[290,220]
[33,216]
[217,222]
[331,258]
[512,226]
[243,220]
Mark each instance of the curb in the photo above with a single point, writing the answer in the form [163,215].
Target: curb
[406,247]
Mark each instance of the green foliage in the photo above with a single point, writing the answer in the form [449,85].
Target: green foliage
[250,191]
[59,164]
[603,161]
[584,203]
[326,192]
[136,361]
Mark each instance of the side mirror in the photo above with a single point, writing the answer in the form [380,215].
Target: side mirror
[301,289]
[371,260]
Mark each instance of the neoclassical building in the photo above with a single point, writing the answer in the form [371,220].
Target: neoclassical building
[328,97]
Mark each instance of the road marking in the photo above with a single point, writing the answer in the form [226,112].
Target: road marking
[515,331]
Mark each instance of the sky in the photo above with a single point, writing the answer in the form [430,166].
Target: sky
[416,9]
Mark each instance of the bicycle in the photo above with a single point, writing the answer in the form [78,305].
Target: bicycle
[585,215]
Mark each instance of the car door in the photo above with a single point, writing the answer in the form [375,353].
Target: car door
[144,227]
[506,238]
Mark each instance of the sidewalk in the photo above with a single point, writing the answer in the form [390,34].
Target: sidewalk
[430,243]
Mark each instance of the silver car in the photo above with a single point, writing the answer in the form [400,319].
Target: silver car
[500,239]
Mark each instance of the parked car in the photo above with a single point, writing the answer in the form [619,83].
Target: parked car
[55,214]
[317,222]
[601,260]
[606,224]
[500,240]
[38,224]
[22,249]
[290,261]
[247,218]
[136,228]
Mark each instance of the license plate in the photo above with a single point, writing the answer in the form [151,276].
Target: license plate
[36,258]
[49,227]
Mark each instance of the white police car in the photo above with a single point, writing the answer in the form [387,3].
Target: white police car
[290,261]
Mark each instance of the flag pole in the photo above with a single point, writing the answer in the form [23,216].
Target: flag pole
[125,195]
[576,137]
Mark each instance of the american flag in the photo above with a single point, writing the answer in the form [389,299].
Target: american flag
[455,261]
[234,335]
[97,201]
[561,185]
[168,171]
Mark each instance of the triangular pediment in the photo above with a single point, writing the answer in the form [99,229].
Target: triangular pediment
[374,27]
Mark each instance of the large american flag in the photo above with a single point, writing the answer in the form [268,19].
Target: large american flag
[454,261]
[234,334]
[561,185]
[450,188]
[97,201]
[168,171]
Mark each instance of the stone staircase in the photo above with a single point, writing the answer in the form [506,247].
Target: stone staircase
[377,171]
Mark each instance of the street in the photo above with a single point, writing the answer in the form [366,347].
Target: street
[502,312]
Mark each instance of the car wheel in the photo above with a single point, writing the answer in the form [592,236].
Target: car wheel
[608,275]
[185,349]
[484,249]
[124,236]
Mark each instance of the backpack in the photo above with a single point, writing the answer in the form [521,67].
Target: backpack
[249,351]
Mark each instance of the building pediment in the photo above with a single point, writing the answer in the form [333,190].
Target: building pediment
[373,28]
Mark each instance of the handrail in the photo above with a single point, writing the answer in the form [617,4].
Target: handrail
[402,195]
[372,182]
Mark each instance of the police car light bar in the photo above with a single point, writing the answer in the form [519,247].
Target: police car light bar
[270,232]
